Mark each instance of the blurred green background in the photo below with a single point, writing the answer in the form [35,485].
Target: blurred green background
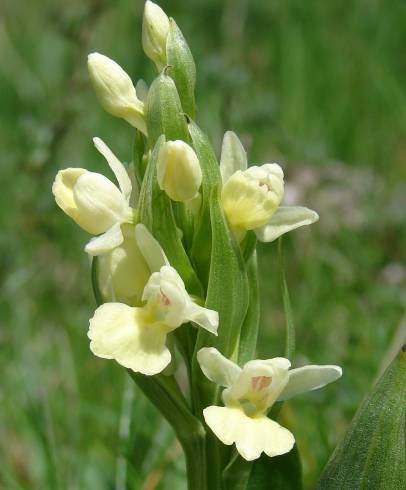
[317,86]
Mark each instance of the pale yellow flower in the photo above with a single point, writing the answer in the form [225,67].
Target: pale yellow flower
[95,203]
[251,197]
[249,394]
[136,336]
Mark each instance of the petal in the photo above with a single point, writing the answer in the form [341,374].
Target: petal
[285,218]
[129,271]
[308,378]
[233,156]
[116,166]
[120,332]
[100,203]
[205,318]
[105,242]
[62,190]
[251,435]
[216,367]
[150,248]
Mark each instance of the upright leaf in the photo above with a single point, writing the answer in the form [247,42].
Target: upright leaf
[201,246]
[372,454]
[227,293]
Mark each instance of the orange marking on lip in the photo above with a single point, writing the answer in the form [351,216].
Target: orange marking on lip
[165,300]
[261,382]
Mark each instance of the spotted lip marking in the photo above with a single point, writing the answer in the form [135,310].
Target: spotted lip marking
[260,382]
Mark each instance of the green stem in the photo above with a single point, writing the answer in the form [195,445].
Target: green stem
[165,394]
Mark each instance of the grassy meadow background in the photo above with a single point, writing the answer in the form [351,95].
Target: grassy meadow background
[316,86]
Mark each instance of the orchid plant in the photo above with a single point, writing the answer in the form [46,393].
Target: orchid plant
[174,265]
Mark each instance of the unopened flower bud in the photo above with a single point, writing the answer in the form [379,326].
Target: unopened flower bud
[155,30]
[178,171]
[115,90]
[251,197]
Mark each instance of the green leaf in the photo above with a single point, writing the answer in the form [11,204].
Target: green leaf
[181,67]
[250,327]
[201,246]
[227,293]
[287,306]
[372,454]
[155,212]
[277,473]
[164,111]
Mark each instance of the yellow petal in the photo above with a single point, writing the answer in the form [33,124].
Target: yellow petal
[100,204]
[62,190]
[233,156]
[216,367]
[120,332]
[285,219]
[251,435]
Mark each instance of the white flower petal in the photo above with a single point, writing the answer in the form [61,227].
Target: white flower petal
[128,269]
[120,332]
[62,190]
[285,218]
[251,435]
[116,166]
[233,156]
[150,248]
[216,367]
[205,318]
[105,242]
[100,203]
[308,378]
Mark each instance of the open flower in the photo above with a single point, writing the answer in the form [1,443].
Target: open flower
[250,392]
[136,336]
[251,196]
[95,203]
